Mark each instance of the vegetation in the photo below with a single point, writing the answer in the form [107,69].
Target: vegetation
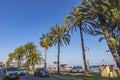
[98,17]
[59,36]
[82,76]
[45,43]
[32,55]
[106,17]
[10,59]
[74,20]
[25,56]
[19,54]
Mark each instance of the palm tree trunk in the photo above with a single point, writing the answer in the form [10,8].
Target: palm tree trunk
[58,66]
[112,49]
[45,58]
[118,50]
[83,52]
[118,4]
[19,61]
[107,36]
[33,67]
[28,67]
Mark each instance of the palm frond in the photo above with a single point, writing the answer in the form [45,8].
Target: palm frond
[102,38]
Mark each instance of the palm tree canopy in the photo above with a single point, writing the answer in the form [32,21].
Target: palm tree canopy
[33,58]
[59,33]
[29,47]
[10,58]
[77,18]
[45,42]
[19,52]
[106,15]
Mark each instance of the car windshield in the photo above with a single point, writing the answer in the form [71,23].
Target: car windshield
[12,69]
[21,69]
[42,69]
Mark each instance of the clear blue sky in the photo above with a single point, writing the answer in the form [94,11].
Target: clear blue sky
[22,21]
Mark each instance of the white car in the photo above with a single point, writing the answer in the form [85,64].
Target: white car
[41,72]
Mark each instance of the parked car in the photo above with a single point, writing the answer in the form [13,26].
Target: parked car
[23,72]
[11,73]
[41,72]
[74,70]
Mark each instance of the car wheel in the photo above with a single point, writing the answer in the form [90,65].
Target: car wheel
[5,78]
[37,75]
[43,75]
[17,78]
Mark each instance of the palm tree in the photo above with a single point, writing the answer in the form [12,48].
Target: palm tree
[45,43]
[19,54]
[107,18]
[33,56]
[59,36]
[29,47]
[10,59]
[115,20]
[75,19]
[115,3]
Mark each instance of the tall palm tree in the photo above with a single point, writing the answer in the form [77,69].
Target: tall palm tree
[59,36]
[75,19]
[45,43]
[115,3]
[106,16]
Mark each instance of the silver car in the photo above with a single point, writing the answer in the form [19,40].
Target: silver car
[43,72]
[11,73]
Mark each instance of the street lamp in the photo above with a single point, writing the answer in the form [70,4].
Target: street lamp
[87,49]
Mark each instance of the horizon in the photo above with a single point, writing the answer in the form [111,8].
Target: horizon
[25,21]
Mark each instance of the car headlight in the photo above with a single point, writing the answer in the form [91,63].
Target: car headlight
[7,74]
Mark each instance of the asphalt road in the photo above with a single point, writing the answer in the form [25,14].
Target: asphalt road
[31,77]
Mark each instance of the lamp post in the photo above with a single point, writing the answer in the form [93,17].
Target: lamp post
[55,63]
[87,49]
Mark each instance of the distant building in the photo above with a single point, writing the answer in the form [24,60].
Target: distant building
[64,67]
[2,65]
[109,71]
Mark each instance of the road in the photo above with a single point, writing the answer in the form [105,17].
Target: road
[31,77]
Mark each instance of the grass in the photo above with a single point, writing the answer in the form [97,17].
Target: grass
[89,76]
